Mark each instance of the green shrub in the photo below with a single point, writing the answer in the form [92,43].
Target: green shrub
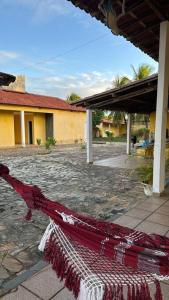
[145,173]
[142,132]
[76,141]
[51,140]
[83,146]
[47,145]
[109,134]
[39,141]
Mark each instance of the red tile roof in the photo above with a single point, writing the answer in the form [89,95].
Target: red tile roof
[105,121]
[33,100]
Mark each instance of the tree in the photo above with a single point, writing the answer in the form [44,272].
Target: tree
[120,80]
[73,97]
[119,117]
[143,71]
[97,117]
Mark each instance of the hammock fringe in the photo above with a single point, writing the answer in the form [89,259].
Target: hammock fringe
[65,270]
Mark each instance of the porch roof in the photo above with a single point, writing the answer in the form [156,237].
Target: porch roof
[138,21]
[6,79]
[135,97]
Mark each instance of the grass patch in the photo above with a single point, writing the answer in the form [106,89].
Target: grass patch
[113,139]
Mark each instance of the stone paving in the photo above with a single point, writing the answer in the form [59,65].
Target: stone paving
[63,175]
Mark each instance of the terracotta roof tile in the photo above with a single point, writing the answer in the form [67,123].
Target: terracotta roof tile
[34,100]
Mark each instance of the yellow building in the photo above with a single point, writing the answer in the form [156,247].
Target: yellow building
[107,125]
[152,123]
[26,117]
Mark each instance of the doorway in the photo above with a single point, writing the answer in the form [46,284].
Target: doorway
[49,125]
[30,136]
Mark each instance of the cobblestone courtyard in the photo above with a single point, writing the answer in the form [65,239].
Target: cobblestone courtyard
[63,175]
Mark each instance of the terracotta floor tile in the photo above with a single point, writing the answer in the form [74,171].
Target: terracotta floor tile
[138,213]
[20,294]
[65,294]
[163,210]
[167,234]
[45,284]
[149,227]
[127,221]
[156,200]
[159,218]
[164,289]
[150,206]
[167,203]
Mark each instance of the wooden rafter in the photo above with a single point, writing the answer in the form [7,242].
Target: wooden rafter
[129,96]
[156,9]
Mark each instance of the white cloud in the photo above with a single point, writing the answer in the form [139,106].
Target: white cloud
[43,10]
[8,56]
[63,86]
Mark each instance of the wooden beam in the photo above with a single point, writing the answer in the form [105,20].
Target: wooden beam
[137,34]
[133,15]
[135,93]
[156,9]
[129,96]
[135,4]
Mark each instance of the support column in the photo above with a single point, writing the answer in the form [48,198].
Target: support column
[22,114]
[89,136]
[161,110]
[129,134]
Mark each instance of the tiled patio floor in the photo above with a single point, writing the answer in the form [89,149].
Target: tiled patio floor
[122,161]
[152,215]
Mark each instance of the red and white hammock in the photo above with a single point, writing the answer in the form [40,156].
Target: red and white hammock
[97,260]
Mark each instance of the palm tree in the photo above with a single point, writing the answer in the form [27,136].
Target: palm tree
[143,71]
[120,80]
[119,117]
[73,97]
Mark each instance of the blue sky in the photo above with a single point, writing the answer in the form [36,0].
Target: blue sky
[61,49]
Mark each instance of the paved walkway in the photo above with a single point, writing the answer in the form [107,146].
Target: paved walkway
[122,162]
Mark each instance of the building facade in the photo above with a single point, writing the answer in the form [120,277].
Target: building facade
[26,117]
[108,125]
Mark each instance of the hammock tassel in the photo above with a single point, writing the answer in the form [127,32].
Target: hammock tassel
[28,216]
[133,292]
[45,237]
[89,292]
[158,294]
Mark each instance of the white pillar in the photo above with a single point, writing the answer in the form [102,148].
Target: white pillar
[129,134]
[89,136]
[161,110]
[22,114]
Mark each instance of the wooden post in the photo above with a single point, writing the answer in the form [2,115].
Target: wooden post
[129,134]
[89,136]
[22,114]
